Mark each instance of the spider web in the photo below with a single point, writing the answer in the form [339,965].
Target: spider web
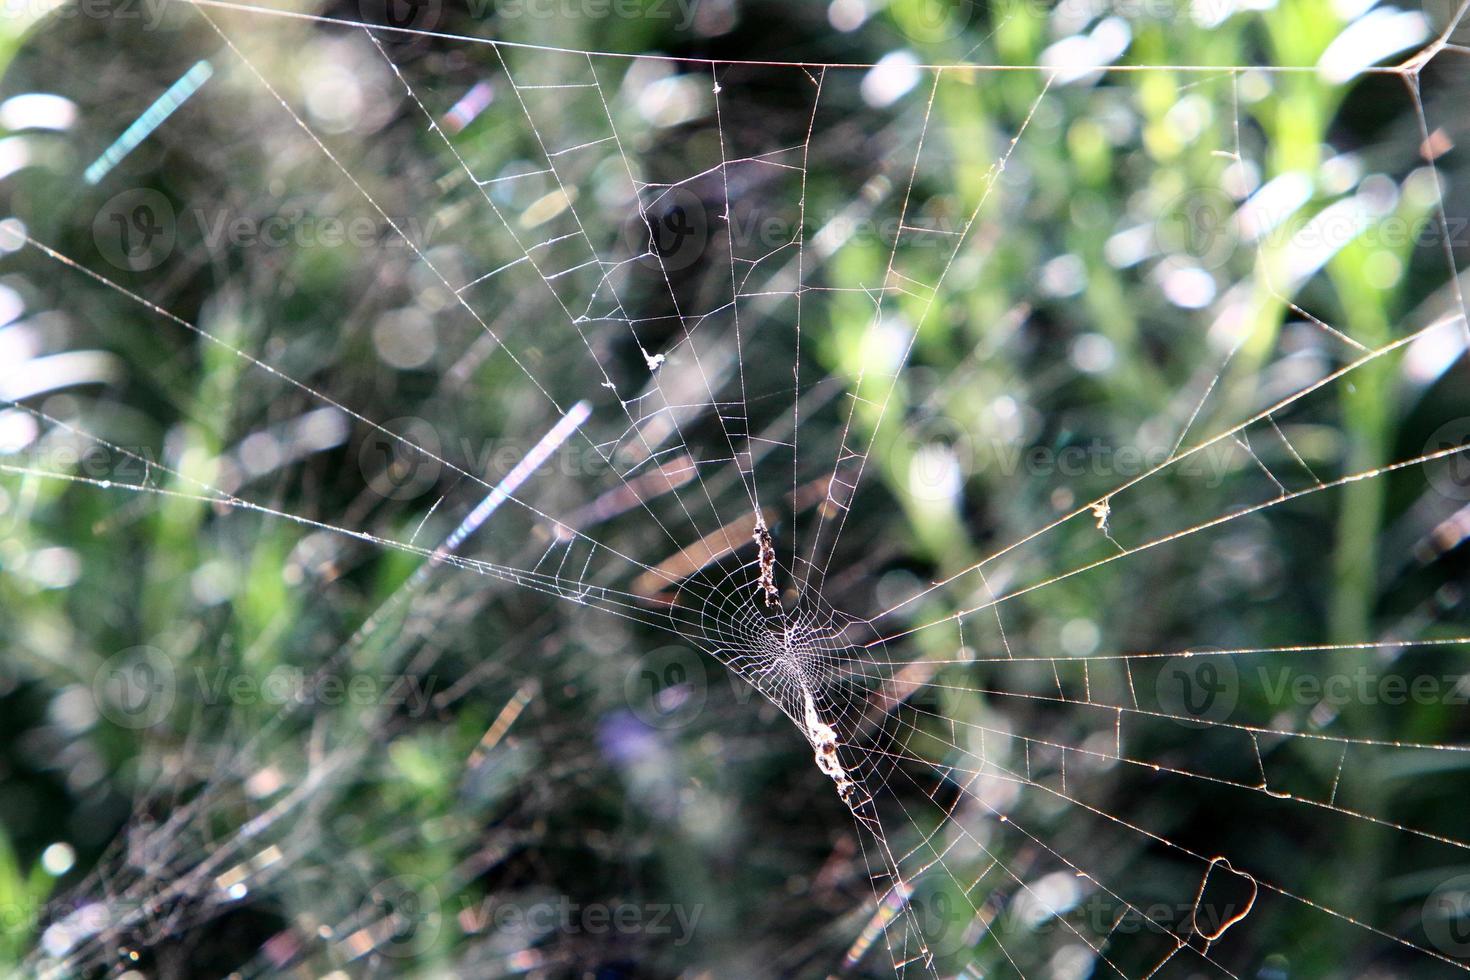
[727,397]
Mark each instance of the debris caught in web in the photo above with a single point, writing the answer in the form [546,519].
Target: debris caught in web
[767,548]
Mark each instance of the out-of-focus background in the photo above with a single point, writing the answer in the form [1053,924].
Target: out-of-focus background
[259,742]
